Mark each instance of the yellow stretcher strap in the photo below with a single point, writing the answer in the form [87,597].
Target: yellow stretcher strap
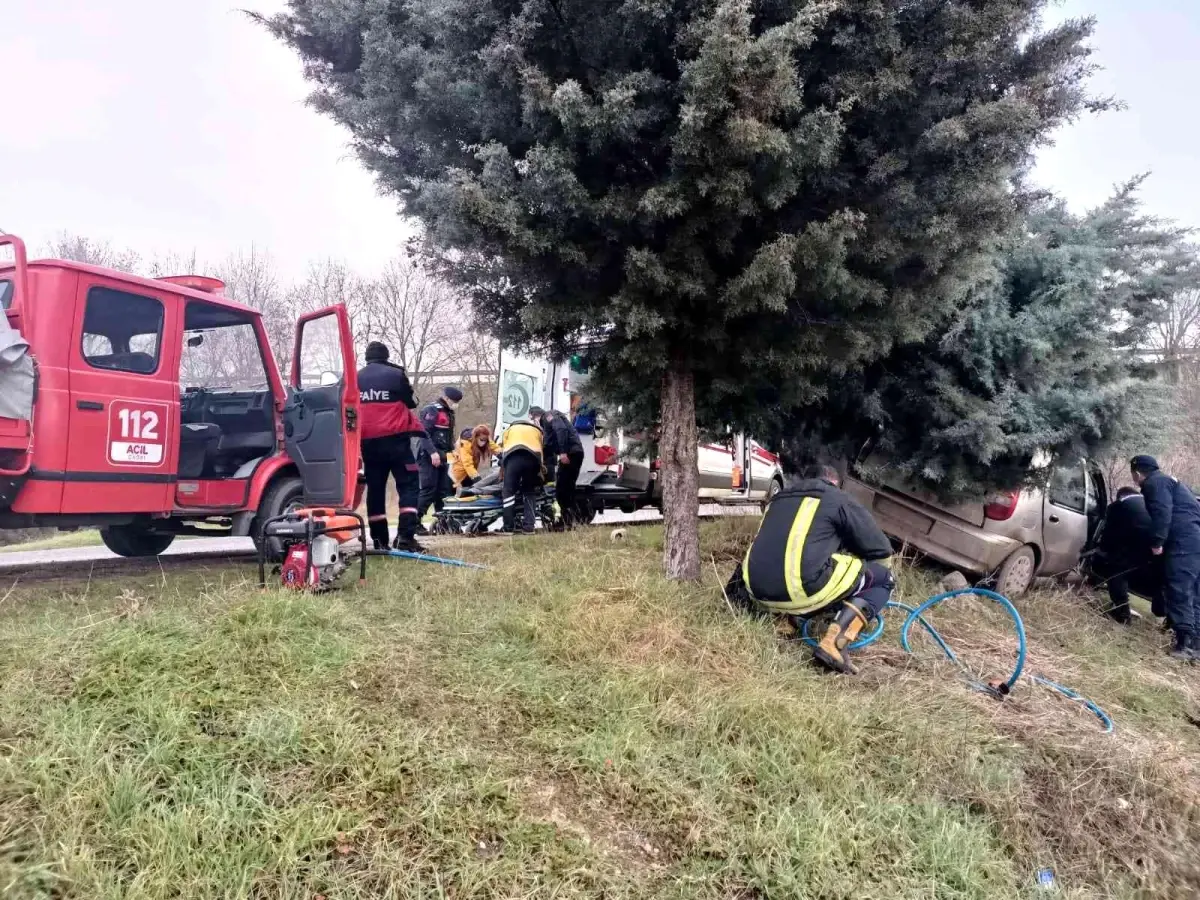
[842,580]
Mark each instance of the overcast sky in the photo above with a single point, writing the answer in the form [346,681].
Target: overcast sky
[173,125]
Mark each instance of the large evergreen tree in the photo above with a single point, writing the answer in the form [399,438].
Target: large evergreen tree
[751,195]
[1043,355]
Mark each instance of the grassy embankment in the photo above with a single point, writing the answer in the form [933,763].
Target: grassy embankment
[568,724]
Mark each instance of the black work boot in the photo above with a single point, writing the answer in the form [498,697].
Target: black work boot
[379,535]
[1181,649]
[407,544]
[405,536]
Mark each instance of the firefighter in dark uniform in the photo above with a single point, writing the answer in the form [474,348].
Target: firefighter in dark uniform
[816,549]
[434,460]
[564,459]
[521,462]
[1123,556]
[391,436]
[1175,536]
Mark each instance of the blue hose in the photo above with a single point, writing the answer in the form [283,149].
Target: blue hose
[915,615]
[425,557]
[1100,714]
[992,595]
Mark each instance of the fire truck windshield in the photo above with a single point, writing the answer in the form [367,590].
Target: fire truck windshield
[223,359]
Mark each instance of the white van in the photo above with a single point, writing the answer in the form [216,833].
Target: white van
[736,471]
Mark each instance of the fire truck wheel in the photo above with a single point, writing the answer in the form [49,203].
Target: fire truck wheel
[281,496]
[135,540]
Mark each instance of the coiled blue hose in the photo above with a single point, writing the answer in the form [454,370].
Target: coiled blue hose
[915,616]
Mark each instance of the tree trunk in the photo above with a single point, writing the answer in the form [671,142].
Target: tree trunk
[678,445]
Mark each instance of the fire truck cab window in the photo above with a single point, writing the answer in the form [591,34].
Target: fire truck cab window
[6,294]
[122,332]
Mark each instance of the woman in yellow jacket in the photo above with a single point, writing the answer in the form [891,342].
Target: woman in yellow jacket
[472,454]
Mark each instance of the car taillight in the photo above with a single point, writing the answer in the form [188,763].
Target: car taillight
[605,455]
[1001,507]
[656,465]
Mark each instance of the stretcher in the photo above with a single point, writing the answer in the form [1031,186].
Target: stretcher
[476,509]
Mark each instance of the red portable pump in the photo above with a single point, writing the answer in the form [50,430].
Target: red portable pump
[314,547]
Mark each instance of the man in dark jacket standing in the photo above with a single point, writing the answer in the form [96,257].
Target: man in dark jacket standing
[564,456]
[440,437]
[1175,536]
[1124,558]
[391,435]
[817,549]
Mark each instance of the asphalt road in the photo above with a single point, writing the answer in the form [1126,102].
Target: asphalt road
[201,548]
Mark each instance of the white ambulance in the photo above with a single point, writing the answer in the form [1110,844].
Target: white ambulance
[738,470]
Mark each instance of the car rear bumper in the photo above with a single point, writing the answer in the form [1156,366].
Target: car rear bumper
[953,542]
[978,553]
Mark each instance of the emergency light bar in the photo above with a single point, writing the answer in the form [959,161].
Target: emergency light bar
[197,283]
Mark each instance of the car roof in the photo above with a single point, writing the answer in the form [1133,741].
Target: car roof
[137,280]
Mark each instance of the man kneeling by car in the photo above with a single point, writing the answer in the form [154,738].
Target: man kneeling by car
[1123,557]
[817,549]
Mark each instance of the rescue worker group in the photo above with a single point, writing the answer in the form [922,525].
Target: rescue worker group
[429,459]
[817,550]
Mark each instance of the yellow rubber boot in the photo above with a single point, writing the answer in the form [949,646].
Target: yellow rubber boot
[841,633]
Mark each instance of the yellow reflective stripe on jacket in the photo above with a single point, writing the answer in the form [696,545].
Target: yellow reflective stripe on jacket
[846,572]
[793,557]
[846,569]
[746,559]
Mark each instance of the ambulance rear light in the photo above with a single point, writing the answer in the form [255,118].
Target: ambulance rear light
[605,455]
[1002,507]
[197,283]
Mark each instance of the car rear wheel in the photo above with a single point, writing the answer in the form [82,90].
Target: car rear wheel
[1016,573]
[135,540]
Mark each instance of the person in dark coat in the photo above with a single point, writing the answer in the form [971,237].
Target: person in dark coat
[564,459]
[391,435]
[434,460]
[1175,536]
[1124,559]
[818,548]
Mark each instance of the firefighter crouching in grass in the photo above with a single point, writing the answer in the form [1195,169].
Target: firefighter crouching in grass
[817,549]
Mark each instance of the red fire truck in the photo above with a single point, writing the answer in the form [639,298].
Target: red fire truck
[153,408]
